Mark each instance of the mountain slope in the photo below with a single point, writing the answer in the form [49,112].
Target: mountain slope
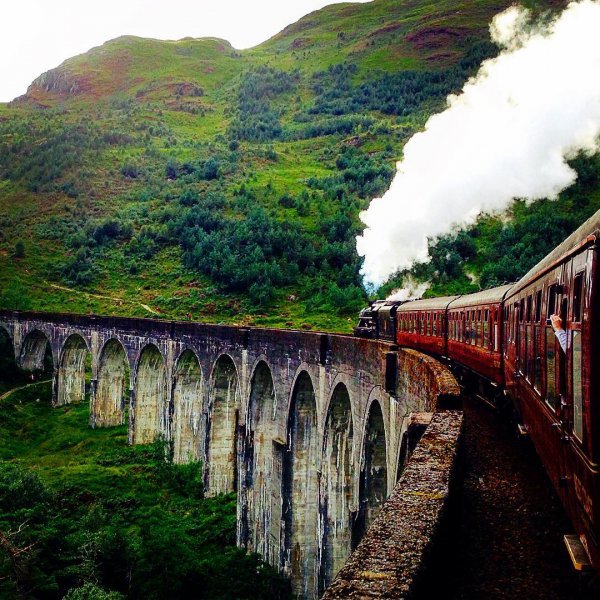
[191,179]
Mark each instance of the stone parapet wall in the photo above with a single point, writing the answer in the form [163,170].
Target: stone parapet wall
[391,557]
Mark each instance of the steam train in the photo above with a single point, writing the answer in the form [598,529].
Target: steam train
[504,336]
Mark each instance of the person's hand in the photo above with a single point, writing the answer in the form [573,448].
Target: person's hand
[556,322]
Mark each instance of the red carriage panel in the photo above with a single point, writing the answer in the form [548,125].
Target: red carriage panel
[475,332]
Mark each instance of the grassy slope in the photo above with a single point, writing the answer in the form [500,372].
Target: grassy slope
[104,490]
[129,84]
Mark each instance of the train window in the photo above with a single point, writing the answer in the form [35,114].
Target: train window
[577,386]
[486,328]
[551,300]
[522,310]
[577,297]
[537,358]
[538,306]
[551,395]
[523,349]
[435,324]
[505,331]
[528,312]
[529,371]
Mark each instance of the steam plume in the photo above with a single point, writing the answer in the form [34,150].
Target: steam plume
[411,290]
[507,135]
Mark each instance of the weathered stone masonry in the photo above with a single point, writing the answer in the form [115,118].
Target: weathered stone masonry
[307,428]
[389,561]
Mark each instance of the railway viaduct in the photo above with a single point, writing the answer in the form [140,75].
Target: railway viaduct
[311,430]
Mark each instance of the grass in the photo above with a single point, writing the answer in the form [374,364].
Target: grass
[58,442]
[121,517]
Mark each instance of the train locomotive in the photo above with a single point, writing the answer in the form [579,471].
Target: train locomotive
[505,337]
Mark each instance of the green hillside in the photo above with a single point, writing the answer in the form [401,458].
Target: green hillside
[189,179]
[82,508]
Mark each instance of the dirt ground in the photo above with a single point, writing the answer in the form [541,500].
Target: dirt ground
[504,538]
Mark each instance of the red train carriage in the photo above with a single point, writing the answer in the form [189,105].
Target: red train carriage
[422,324]
[505,335]
[475,332]
[557,391]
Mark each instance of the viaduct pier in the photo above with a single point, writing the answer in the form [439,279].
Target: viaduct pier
[311,430]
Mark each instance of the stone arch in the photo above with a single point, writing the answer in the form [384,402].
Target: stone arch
[109,401]
[413,427]
[373,481]
[188,385]
[336,485]
[222,425]
[35,353]
[8,363]
[72,370]
[150,403]
[6,332]
[261,512]
[301,488]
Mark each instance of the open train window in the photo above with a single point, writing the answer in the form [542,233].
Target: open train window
[538,306]
[528,311]
[551,300]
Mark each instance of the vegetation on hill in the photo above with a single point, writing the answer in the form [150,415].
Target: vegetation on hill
[191,180]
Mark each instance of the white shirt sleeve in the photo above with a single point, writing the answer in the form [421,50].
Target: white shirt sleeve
[561,335]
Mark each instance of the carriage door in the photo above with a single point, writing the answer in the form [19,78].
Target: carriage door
[562,310]
[556,378]
[551,366]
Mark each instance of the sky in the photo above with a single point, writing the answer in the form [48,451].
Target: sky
[37,35]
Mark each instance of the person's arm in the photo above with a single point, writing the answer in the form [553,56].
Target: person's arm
[559,332]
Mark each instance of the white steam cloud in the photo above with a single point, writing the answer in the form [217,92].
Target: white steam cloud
[507,135]
[412,290]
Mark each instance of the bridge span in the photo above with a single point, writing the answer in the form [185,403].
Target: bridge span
[311,430]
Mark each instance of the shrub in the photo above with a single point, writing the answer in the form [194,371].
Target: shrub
[19,250]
